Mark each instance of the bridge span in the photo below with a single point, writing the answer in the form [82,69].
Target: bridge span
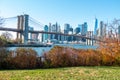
[29,31]
[23,30]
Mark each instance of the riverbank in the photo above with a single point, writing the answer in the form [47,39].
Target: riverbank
[41,50]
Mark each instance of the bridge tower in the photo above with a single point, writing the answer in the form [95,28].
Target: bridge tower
[20,27]
[23,25]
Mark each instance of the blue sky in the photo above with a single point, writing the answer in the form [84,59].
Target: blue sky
[73,12]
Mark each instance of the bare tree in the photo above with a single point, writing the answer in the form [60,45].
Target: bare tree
[6,35]
[111,43]
[113,28]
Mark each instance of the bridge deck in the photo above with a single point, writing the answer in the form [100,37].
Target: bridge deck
[27,45]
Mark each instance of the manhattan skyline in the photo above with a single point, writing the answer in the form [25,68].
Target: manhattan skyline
[73,12]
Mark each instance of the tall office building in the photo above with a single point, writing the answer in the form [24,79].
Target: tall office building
[59,31]
[104,30]
[81,30]
[84,29]
[35,37]
[50,30]
[80,26]
[45,35]
[55,28]
[96,26]
[77,30]
[30,34]
[71,30]
[101,29]
[66,30]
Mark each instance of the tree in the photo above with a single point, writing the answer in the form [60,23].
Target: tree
[6,35]
[3,50]
[111,42]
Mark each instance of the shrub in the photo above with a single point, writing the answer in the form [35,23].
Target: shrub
[63,56]
[3,57]
[22,58]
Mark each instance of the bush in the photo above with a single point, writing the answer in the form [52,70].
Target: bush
[22,58]
[90,58]
[3,57]
[63,56]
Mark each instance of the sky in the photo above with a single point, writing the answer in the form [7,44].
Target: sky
[73,12]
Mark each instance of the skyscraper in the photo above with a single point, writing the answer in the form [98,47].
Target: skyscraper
[30,34]
[77,30]
[102,29]
[66,30]
[80,26]
[45,35]
[84,29]
[96,26]
[50,30]
[54,28]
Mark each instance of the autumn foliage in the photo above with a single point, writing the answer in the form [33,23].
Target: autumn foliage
[64,57]
[21,58]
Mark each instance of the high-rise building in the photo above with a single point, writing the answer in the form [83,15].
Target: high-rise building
[84,29]
[66,30]
[80,26]
[102,29]
[35,37]
[62,36]
[54,28]
[67,27]
[96,26]
[81,30]
[45,35]
[71,30]
[50,30]
[30,34]
[77,30]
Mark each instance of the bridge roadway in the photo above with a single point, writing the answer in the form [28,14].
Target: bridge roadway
[28,45]
[21,31]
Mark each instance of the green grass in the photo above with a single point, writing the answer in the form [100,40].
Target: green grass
[72,73]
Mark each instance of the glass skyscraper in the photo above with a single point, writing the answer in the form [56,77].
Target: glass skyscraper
[84,28]
[45,35]
[96,26]
[66,30]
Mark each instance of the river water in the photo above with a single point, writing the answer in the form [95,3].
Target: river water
[41,50]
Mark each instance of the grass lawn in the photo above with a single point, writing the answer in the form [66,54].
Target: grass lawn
[72,73]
